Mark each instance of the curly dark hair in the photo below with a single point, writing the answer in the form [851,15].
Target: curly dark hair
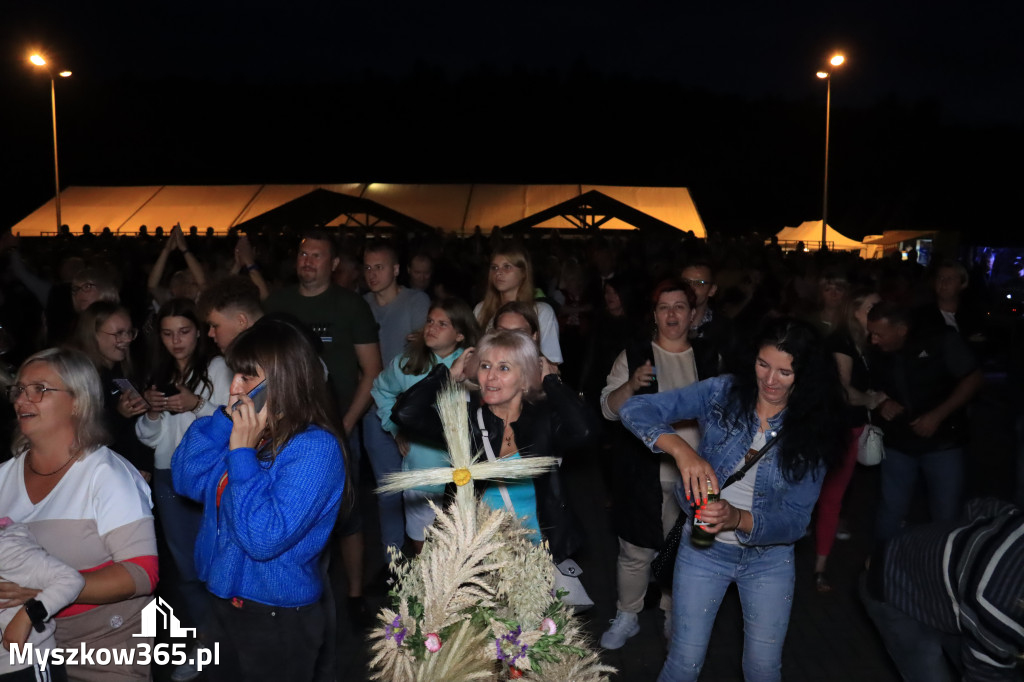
[814,430]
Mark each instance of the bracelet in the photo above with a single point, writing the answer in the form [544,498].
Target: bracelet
[250,268]
[200,401]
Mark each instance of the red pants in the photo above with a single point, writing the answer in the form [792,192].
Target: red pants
[830,501]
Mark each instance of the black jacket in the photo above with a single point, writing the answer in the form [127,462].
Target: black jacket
[550,426]
[636,492]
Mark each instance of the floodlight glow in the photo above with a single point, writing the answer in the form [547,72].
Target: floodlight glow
[64,74]
[837,60]
[37,60]
[822,74]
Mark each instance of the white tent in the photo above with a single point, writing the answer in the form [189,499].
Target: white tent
[809,232]
[456,208]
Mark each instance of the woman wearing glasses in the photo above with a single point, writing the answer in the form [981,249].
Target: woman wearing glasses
[511,279]
[86,506]
[104,333]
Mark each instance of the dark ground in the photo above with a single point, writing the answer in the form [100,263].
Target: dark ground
[830,637]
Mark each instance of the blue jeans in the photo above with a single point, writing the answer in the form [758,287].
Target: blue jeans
[915,648]
[764,576]
[179,519]
[944,475]
[384,457]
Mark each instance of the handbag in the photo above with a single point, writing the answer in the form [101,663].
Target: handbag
[663,566]
[567,572]
[870,445]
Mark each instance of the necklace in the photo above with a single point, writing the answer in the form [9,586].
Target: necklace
[508,436]
[71,458]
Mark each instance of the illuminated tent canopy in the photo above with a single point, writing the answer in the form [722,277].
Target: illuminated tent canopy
[809,232]
[454,208]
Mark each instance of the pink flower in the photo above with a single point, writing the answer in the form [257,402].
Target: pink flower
[433,643]
[547,625]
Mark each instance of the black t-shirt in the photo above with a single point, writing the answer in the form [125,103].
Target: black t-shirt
[920,377]
[841,342]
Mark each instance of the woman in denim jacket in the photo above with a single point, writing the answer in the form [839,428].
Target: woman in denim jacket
[794,394]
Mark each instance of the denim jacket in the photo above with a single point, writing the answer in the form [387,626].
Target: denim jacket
[781,509]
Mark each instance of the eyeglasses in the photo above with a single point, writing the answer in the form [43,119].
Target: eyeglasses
[697,282]
[123,335]
[78,288]
[504,267]
[34,392]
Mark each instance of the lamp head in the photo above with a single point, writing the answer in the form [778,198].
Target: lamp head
[37,59]
[822,75]
[837,60]
[64,74]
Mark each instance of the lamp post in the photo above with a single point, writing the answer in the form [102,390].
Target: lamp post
[836,61]
[38,60]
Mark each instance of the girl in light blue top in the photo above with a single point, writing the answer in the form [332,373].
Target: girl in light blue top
[450,328]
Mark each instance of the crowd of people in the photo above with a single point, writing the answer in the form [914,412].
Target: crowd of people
[221,394]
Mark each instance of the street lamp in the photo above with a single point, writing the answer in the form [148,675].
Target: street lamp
[836,61]
[37,60]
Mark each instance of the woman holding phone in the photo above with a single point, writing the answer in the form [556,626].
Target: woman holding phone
[270,479]
[104,332]
[191,385]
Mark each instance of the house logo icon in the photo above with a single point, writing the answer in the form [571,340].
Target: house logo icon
[157,615]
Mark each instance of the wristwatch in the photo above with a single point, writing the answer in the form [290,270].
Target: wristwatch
[36,613]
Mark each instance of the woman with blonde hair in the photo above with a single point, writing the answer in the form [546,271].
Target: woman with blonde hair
[104,333]
[511,279]
[521,407]
[849,345]
[85,504]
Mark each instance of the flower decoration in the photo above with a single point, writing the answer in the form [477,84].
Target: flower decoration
[433,643]
[514,673]
[461,476]
[510,648]
[548,626]
[396,631]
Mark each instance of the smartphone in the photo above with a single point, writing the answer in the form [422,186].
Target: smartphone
[128,387]
[258,396]
[168,390]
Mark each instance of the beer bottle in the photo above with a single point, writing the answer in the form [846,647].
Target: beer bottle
[700,537]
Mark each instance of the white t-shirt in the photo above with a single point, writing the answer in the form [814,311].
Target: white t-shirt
[741,493]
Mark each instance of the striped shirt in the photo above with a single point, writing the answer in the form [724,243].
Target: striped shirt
[968,579]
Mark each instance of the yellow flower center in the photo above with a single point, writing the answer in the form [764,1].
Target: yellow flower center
[461,476]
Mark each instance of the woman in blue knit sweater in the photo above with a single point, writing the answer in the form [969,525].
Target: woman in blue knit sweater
[271,482]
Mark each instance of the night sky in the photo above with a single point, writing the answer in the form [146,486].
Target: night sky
[720,97]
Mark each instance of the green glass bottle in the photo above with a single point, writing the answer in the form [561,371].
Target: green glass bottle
[698,536]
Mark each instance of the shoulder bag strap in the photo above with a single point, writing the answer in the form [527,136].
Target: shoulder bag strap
[492,458]
[738,476]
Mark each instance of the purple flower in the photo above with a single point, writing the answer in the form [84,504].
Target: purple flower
[395,631]
[509,648]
